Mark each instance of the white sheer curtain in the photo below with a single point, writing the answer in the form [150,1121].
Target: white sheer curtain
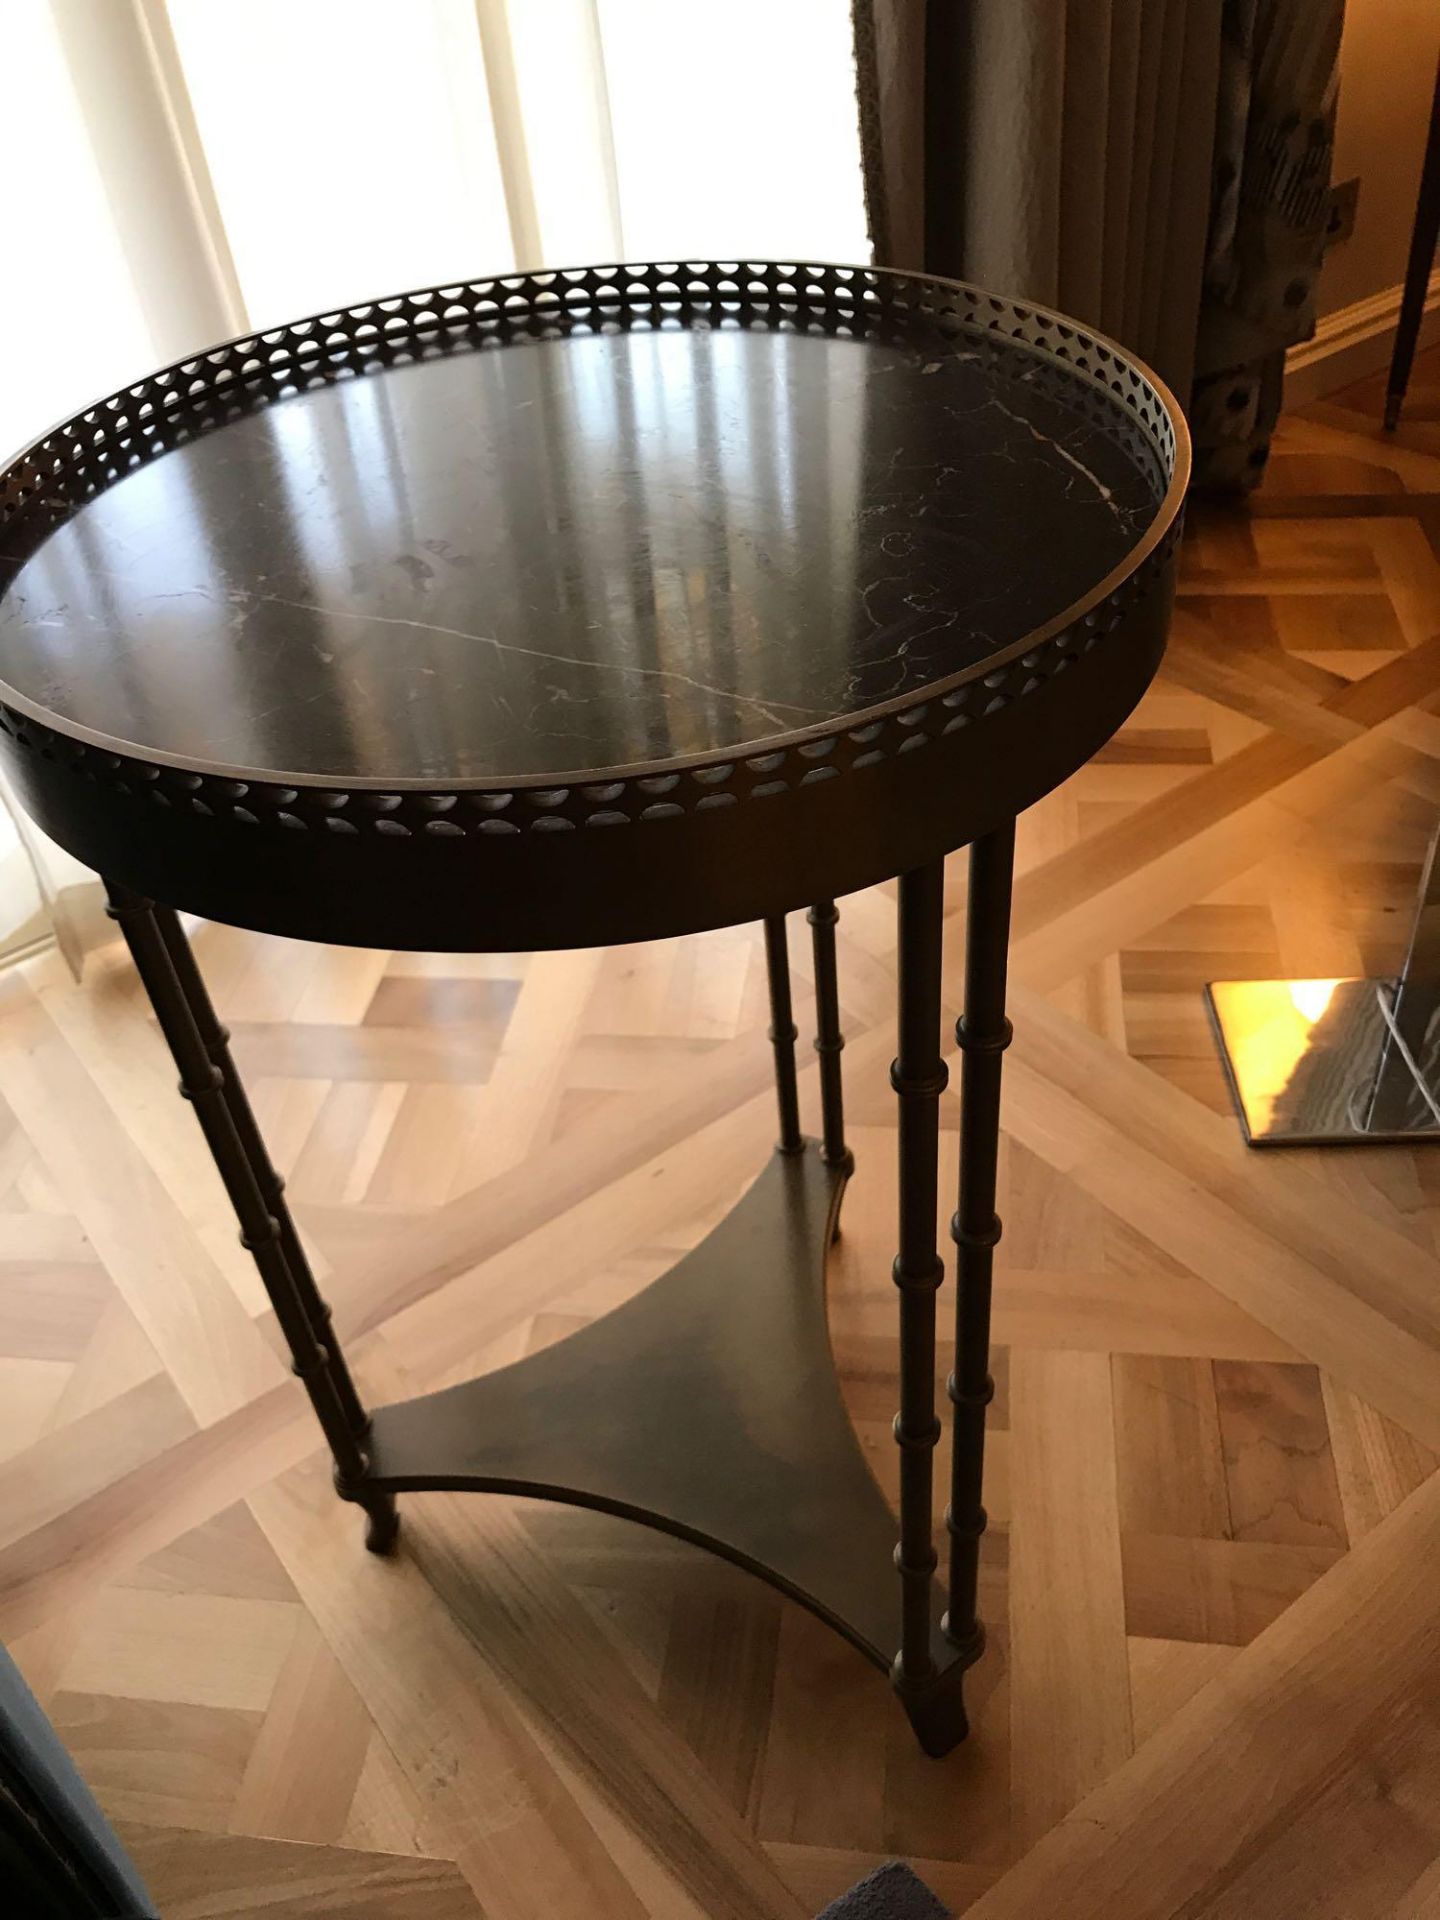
[184,170]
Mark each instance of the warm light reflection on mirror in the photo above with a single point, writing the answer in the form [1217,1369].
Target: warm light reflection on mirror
[1312,997]
[1268,1024]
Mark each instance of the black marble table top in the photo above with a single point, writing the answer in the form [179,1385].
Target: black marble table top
[575,553]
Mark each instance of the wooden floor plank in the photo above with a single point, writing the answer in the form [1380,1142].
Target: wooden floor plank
[1279,1468]
[456,1726]
[1169,1462]
[71,1465]
[1362,1301]
[303,1770]
[1377,1463]
[204,1877]
[1260,1795]
[103,1535]
[1069,1672]
[193,1319]
[493,1802]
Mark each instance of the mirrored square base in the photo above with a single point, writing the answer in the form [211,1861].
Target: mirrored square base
[1330,1062]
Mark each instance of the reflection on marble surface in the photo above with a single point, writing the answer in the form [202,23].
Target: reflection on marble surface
[572,554]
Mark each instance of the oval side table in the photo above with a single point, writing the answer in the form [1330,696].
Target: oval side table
[582,607]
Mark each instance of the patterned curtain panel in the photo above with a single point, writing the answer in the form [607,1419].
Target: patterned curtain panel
[1158,168]
[1274,143]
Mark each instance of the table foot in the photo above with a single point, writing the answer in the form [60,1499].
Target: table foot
[382,1526]
[935,1707]
[382,1519]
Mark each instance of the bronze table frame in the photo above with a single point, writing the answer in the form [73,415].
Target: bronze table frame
[731,1350]
[592,1420]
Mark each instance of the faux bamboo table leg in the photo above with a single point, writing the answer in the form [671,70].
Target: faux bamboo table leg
[210,1082]
[983,1033]
[918,1077]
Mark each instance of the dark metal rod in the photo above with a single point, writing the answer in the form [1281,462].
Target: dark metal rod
[216,1042]
[983,1034]
[201,1084]
[1417,269]
[782,1033]
[829,1042]
[918,1077]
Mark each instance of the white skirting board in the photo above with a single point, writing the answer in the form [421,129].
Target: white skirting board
[1353,342]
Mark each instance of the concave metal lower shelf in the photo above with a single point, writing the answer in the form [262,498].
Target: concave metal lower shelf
[707,1406]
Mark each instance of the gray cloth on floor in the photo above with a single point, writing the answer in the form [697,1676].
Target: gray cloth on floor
[891,1892]
[58,1855]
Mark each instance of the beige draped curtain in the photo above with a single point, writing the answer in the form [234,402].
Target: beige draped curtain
[1157,168]
[1057,149]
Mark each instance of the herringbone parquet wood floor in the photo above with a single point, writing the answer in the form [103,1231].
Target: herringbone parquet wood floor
[1219,1408]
